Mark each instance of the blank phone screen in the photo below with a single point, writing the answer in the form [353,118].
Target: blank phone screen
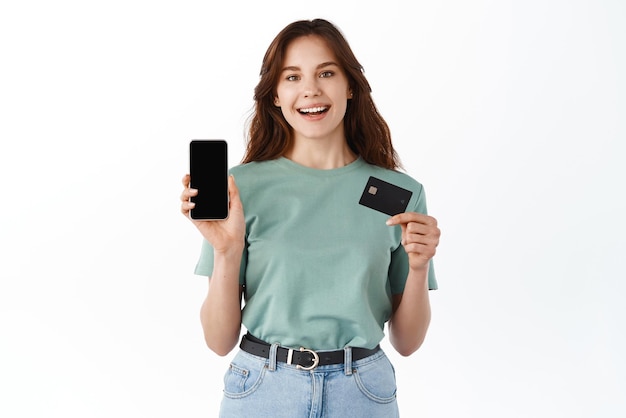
[208,167]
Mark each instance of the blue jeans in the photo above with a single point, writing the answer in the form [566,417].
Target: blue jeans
[258,387]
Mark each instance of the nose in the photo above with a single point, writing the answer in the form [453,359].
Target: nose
[311,88]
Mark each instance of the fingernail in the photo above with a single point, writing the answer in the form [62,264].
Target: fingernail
[388,222]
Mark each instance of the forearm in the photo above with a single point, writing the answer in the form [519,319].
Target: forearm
[221,311]
[411,317]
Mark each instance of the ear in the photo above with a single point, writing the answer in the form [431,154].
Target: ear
[276,102]
[350,95]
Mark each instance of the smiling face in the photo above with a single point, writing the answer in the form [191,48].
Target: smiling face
[312,90]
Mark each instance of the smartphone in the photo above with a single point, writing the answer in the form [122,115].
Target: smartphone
[208,168]
[385,197]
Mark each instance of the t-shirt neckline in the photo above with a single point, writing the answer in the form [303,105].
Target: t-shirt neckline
[292,165]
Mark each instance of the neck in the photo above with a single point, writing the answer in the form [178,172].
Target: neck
[322,156]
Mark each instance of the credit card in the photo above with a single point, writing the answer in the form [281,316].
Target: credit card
[385,197]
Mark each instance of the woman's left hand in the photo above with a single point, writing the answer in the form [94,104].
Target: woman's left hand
[420,237]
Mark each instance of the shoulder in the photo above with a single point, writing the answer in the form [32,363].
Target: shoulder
[252,170]
[255,177]
[247,168]
[396,177]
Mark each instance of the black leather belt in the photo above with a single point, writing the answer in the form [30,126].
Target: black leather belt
[305,358]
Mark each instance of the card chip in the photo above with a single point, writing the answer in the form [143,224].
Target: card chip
[372,190]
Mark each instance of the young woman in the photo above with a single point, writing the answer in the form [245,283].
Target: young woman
[320,274]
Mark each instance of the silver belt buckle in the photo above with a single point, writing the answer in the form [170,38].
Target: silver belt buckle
[316,359]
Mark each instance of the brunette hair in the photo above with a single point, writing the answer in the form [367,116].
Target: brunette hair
[366,131]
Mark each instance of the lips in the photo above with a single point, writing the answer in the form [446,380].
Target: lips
[313,111]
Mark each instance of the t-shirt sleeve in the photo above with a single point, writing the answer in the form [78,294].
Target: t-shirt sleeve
[399,266]
[204,266]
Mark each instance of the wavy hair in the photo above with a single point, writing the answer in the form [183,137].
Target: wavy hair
[269,134]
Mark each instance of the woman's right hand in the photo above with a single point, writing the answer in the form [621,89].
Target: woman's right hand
[227,235]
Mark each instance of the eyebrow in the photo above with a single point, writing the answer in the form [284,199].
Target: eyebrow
[322,65]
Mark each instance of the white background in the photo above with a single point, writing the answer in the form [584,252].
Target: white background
[510,113]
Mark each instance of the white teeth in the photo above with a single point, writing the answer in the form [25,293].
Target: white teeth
[313,109]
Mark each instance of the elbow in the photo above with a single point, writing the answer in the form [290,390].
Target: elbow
[220,348]
[406,340]
[406,349]
[406,343]
[220,351]
[221,341]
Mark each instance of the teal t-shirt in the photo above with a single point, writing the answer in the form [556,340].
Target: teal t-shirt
[318,268]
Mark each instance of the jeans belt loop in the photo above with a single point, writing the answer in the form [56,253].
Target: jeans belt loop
[272,358]
[347,359]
